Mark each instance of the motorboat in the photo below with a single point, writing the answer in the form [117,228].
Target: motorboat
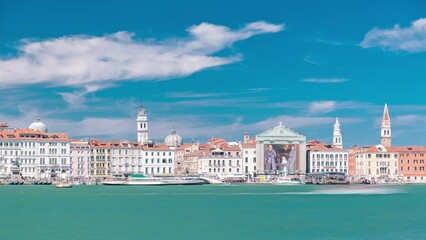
[141,180]
[288,180]
[64,185]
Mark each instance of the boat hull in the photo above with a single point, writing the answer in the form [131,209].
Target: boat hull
[153,183]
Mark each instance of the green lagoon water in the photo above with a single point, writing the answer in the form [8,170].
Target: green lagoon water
[213,212]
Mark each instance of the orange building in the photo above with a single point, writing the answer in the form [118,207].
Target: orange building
[351,160]
[412,163]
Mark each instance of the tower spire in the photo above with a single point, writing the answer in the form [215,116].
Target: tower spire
[337,135]
[386,134]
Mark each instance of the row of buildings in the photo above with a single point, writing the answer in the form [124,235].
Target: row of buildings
[33,152]
[380,163]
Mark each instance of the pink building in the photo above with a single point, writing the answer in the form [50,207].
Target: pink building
[80,158]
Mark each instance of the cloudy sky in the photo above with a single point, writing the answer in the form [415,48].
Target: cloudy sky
[215,68]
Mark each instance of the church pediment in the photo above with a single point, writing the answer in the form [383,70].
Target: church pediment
[280,131]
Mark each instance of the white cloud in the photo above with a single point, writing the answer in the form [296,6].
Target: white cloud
[409,120]
[320,107]
[410,39]
[90,63]
[323,107]
[325,80]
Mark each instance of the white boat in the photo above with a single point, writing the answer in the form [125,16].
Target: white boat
[141,180]
[211,180]
[64,185]
[288,180]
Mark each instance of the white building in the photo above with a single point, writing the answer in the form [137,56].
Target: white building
[248,149]
[221,161]
[34,153]
[323,157]
[126,158]
[158,159]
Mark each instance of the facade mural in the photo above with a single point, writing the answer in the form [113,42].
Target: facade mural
[281,158]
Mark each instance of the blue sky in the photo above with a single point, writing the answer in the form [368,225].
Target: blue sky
[215,68]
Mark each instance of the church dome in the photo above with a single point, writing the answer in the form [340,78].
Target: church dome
[173,139]
[38,125]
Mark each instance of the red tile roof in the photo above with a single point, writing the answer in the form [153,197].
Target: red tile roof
[248,145]
[31,134]
[315,145]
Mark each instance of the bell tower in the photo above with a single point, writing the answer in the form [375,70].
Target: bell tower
[337,135]
[386,133]
[142,126]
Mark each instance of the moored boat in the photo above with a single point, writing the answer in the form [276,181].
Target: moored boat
[64,185]
[288,180]
[141,180]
